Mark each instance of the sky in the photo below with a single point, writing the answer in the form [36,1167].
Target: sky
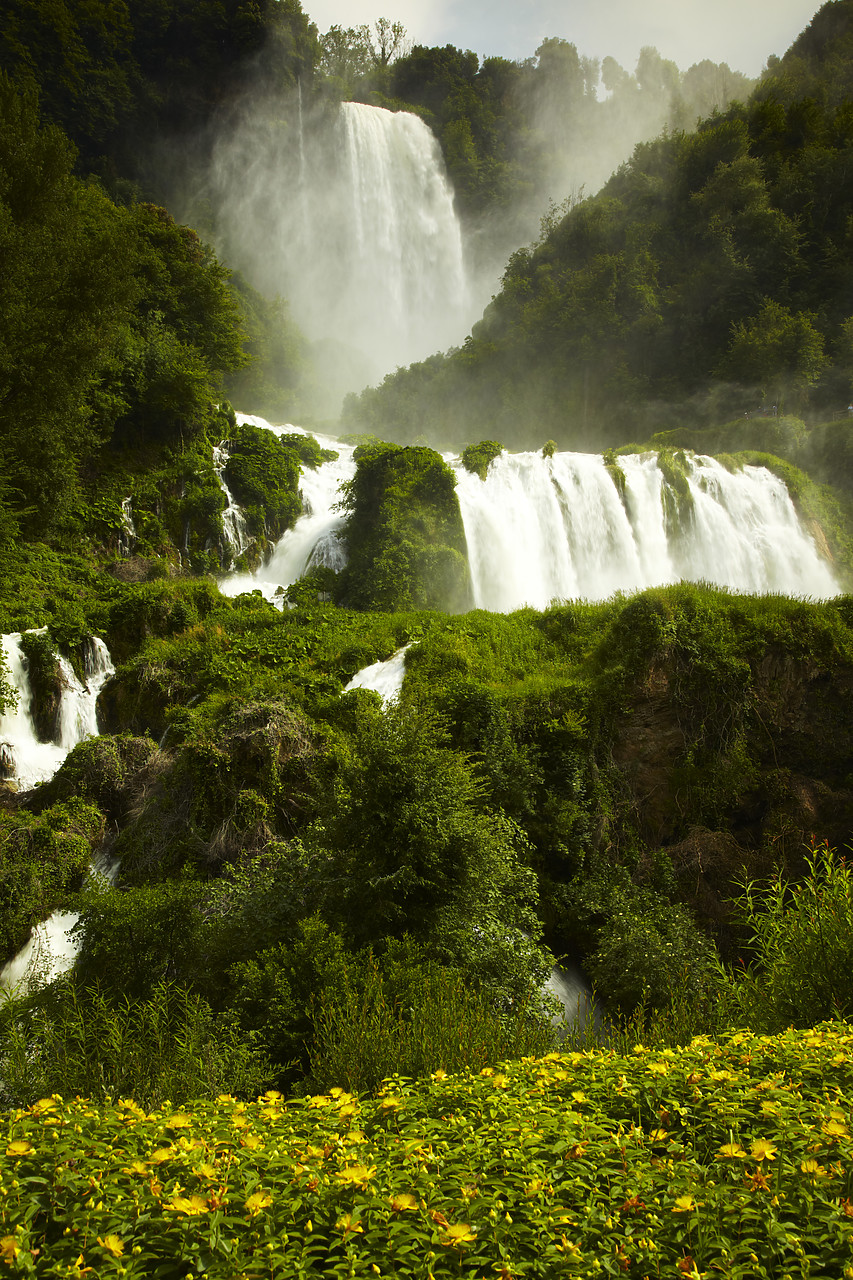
[742,33]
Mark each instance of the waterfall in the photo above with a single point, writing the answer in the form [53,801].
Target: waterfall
[561,528]
[31,761]
[50,950]
[540,529]
[384,678]
[400,236]
[350,216]
[313,541]
[127,533]
[233,521]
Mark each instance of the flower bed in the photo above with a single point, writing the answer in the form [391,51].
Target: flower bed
[720,1159]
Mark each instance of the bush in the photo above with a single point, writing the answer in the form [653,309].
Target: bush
[404,1014]
[476,457]
[83,1043]
[801,936]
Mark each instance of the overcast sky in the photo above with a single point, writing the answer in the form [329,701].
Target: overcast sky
[742,33]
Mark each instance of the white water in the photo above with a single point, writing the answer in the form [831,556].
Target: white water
[542,529]
[400,240]
[384,678]
[35,761]
[313,541]
[355,225]
[50,950]
[233,522]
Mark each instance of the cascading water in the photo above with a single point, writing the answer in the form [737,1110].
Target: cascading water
[355,225]
[233,522]
[401,238]
[313,541]
[50,950]
[540,529]
[384,678]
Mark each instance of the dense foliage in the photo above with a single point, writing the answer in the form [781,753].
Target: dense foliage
[404,532]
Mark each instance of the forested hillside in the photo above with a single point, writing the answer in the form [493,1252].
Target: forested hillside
[709,278]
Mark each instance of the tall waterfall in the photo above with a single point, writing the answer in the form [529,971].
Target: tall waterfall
[353,222]
[50,950]
[401,238]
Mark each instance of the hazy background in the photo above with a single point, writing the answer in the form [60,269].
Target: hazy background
[741,32]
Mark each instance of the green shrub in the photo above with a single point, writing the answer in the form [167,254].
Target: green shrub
[801,939]
[476,457]
[86,1043]
[414,1017]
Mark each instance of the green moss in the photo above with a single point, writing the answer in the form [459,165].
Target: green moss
[476,457]
[404,532]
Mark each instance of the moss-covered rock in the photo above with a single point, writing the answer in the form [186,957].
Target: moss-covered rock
[404,533]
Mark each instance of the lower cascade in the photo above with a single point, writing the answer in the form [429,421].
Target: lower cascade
[49,951]
[576,526]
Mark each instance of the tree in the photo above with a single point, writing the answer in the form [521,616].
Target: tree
[777,350]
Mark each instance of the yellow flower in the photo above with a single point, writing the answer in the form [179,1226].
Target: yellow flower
[9,1248]
[272,1095]
[812,1166]
[187,1204]
[178,1121]
[836,1129]
[161,1154]
[137,1167]
[257,1201]
[658,1068]
[43,1104]
[349,1224]
[112,1244]
[500,1081]
[319,1100]
[19,1147]
[684,1204]
[658,1135]
[732,1150]
[356,1175]
[206,1170]
[403,1202]
[251,1141]
[761,1149]
[458,1233]
[391,1103]
[579,1096]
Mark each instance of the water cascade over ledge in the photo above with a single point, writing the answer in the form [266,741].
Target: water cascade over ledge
[540,529]
[49,951]
[570,527]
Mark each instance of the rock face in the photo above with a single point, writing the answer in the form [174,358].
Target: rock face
[778,781]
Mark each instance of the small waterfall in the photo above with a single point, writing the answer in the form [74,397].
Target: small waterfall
[384,678]
[313,541]
[127,533]
[49,950]
[233,522]
[540,529]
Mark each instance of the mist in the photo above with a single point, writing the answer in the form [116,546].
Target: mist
[346,211]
